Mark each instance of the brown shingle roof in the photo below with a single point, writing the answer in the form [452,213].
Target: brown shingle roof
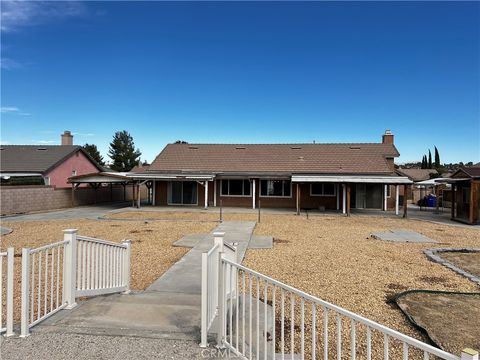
[36,158]
[472,171]
[417,174]
[276,158]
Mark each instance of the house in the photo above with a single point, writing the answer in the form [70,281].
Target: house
[46,165]
[417,175]
[465,194]
[300,176]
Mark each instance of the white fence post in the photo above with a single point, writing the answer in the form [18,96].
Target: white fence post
[126,264]
[204,315]
[469,354]
[10,259]
[218,239]
[70,267]
[24,332]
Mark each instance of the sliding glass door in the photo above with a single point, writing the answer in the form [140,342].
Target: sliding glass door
[182,192]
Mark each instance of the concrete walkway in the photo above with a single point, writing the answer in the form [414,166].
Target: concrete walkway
[79,212]
[168,309]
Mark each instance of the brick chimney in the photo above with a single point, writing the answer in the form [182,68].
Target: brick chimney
[67,138]
[387,138]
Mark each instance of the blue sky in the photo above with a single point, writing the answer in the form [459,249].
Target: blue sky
[243,72]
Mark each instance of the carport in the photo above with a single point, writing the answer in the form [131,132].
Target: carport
[96,180]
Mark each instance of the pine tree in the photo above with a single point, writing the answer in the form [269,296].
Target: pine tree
[437,158]
[122,152]
[429,159]
[423,166]
[92,150]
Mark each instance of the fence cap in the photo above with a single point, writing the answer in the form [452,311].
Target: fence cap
[219,233]
[70,231]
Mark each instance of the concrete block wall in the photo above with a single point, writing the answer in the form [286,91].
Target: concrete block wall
[25,199]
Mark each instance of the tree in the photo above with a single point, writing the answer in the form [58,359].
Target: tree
[181,142]
[92,150]
[429,159]
[122,152]
[424,162]
[437,158]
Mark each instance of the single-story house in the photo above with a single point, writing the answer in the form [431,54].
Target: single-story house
[298,176]
[49,164]
[465,194]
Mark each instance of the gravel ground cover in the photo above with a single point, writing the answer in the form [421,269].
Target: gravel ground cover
[451,320]
[179,215]
[152,250]
[335,259]
[57,346]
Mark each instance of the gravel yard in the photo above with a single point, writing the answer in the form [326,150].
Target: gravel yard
[332,257]
[335,259]
[152,250]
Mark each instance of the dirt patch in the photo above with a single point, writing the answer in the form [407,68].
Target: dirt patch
[152,250]
[468,261]
[280,241]
[451,320]
[433,280]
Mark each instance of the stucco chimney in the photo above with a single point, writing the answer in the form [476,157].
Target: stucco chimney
[387,138]
[67,138]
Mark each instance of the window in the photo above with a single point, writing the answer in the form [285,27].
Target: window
[323,189]
[232,187]
[275,188]
[47,180]
[388,191]
[74,172]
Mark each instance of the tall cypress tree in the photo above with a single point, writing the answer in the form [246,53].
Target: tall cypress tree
[122,152]
[437,158]
[424,162]
[429,159]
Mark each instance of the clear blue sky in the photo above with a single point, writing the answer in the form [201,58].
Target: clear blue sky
[244,72]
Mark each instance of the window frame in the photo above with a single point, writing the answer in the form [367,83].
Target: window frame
[276,196]
[323,190]
[228,187]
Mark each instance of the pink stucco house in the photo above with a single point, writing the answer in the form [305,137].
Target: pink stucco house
[54,163]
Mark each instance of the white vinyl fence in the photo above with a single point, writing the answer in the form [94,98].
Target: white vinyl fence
[262,318]
[6,292]
[54,275]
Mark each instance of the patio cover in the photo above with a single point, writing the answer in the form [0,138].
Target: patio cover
[394,180]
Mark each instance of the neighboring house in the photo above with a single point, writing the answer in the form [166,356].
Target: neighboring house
[465,194]
[417,175]
[53,163]
[308,176]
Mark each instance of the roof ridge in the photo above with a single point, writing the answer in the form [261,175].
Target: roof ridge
[269,144]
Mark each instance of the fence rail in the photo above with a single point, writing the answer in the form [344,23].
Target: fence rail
[54,275]
[263,318]
[103,267]
[6,312]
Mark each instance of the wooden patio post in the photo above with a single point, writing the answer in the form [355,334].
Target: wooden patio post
[133,194]
[405,197]
[73,195]
[124,191]
[454,200]
[298,199]
[473,202]
[111,192]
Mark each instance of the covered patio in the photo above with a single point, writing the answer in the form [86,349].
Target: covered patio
[345,185]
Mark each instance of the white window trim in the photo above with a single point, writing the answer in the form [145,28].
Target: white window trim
[275,196]
[323,195]
[237,196]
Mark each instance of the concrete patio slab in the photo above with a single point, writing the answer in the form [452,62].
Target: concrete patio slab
[402,235]
[5,230]
[261,242]
[190,240]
